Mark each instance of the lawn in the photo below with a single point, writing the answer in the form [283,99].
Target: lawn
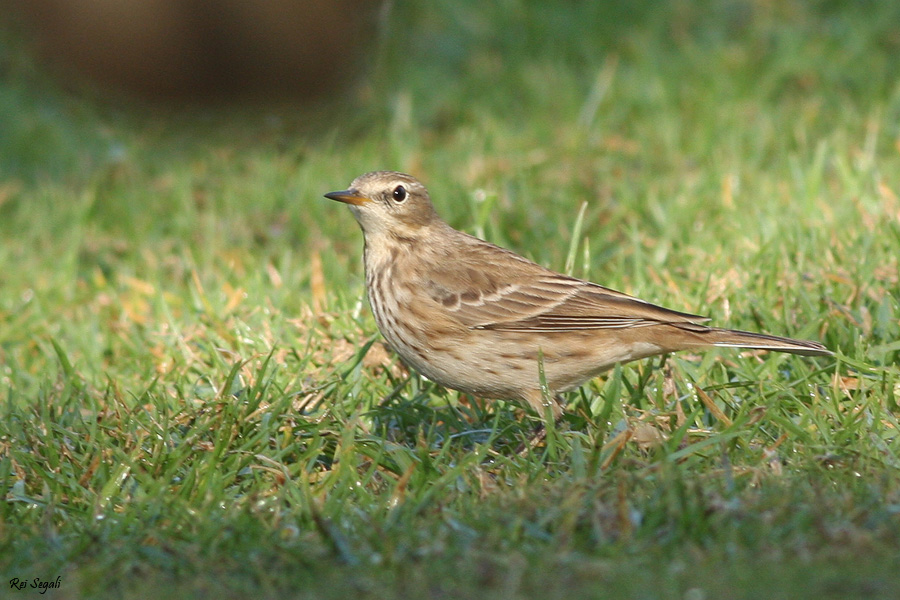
[195,400]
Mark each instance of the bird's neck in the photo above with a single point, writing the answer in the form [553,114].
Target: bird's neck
[384,248]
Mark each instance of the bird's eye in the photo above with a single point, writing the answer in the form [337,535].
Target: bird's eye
[399,193]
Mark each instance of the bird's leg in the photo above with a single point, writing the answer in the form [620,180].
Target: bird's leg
[552,412]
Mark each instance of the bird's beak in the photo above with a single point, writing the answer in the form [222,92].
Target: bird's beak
[348,197]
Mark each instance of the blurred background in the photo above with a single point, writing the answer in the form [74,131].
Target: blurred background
[199,50]
[436,69]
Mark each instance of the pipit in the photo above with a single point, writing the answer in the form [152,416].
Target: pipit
[480,319]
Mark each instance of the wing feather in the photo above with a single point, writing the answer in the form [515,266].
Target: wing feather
[528,297]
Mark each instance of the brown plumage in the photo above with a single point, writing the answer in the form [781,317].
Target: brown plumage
[478,318]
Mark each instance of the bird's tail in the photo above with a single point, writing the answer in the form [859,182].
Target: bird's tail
[732,338]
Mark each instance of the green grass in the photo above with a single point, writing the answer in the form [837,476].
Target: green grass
[195,400]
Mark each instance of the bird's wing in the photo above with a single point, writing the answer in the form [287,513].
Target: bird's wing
[590,306]
[509,292]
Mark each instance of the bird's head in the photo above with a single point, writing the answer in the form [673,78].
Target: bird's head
[388,202]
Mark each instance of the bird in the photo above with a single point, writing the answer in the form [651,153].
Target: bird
[483,320]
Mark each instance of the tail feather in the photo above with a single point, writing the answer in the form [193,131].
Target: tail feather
[732,338]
